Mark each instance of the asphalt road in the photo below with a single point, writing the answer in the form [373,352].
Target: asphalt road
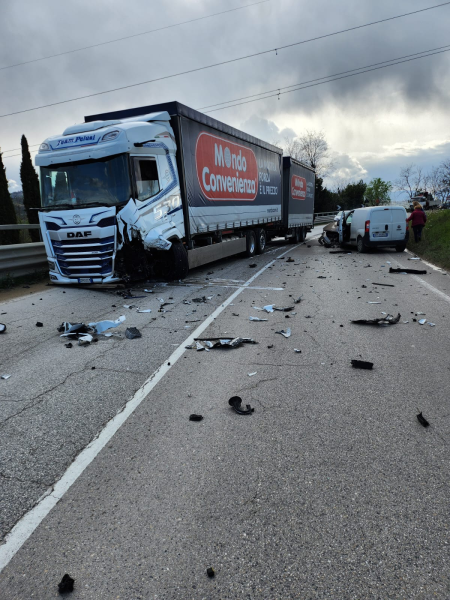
[331,489]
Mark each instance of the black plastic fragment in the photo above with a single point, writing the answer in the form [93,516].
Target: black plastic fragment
[289,259]
[195,418]
[252,266]
[298,300]
[385,284]
[69,345]
[199,300]
[338,252]
[235,402]
[321,277]
[2,328]
[39,324]
[210,572]
[361,364]
[422,420]
[66,584]
[411,271]
[387,320]
[132,333]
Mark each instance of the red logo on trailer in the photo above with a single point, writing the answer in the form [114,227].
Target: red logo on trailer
[298,187]
[225,170]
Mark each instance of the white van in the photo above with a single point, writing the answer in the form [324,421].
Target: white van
[375,227]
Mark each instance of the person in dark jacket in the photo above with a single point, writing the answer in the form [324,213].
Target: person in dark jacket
[418,218]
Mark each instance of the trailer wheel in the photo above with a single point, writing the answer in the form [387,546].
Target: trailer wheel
[295,239]
[178,264]
[251,243]
[261,240]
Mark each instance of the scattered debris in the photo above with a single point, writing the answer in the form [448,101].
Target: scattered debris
[422,420]
[422,321]
[39,324]
[220,343]
[210,572]
[252,266]
[102,326]
[286,333]
[257,319]
[298,351]
[271,346]
[251,374]
[373,302]
[147,310]
[149,291]
[361,364]
[199,300]
[2,328]
[132,333]
[406,271]
[385,284]
[5,376]
[283,308]
[431,324]
[195,418]
[235,314]
[298,300]
[69,345]
[387,320]
[321,277]
[415,258]
[269,308]
[289,259]
[84,340]
[199,347]
[66,584]
[235,402]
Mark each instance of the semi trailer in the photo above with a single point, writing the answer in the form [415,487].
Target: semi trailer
[161,189]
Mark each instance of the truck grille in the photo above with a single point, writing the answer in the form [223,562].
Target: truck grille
[79,258]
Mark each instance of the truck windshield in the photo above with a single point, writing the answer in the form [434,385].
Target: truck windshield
[105,181]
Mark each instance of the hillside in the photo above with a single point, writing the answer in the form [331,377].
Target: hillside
[435,244]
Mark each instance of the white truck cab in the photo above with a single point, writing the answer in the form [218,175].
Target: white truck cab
[375,227]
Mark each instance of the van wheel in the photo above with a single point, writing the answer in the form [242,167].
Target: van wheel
[178,264]
[360,245]
[261,240]
[400,248]
[251,244]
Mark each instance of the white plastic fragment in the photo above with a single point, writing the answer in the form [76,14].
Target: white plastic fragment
[414,258]
[421,313]
[383,313]
[257,319]
[422,321]
[251,374]
[374,302]
[147,310]
[297,350]
[84,340]
[286,333]
[102,326]
[149,291]
[431,324]
[199,346]
[405,322]
[6,376]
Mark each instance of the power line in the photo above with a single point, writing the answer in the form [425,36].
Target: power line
[303,87]
[27,62]
[15,149]
[421,54]
[223,62]
[318,81]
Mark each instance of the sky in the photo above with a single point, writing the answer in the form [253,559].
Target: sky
[375,123]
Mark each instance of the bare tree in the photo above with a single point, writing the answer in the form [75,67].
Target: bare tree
[445,178]
[311,148]
[411,180]
[436,183]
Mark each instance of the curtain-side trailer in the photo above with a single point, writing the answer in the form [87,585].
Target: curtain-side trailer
[155,190]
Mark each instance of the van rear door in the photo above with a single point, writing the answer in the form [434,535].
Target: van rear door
[398,223]
[380,224]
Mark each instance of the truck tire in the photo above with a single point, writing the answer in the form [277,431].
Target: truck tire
[178,264]
[261,240]
[400,248]
[361,247]
[251,244]
[295,239]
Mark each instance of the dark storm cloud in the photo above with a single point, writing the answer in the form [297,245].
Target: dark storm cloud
[33,29]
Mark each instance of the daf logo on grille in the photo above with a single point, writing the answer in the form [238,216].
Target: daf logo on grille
[76,219]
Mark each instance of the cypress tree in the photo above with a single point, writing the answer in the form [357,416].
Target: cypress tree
[30,187]
[7,211]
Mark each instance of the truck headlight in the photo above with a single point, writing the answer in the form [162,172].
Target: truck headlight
[109,137]
[44,147]
[165,206]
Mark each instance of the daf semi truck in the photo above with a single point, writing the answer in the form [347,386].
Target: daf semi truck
[158,190]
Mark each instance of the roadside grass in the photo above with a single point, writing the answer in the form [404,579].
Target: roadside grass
[435,244]
[7,282]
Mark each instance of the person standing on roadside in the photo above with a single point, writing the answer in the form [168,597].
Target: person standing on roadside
[418,218]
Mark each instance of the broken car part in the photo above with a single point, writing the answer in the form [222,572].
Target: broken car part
[411,271]
[235,402]
[299,299]
[422,420]
[132,333]
[286,333]
[385,284]
[66,584]
[5,376]
[361,364]
[422,321]
[102,326]
[195,418]
[85,339]
[387,320]
[257,319]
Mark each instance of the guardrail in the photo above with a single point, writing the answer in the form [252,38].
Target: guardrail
[21,259]
[325,217]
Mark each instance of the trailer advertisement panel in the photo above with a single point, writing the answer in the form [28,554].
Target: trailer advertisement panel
[228,180]
[298,193]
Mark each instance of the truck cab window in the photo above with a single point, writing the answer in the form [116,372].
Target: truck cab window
[147,181]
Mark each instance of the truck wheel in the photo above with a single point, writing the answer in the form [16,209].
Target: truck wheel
[261,240]
[400,248]
[178,264]
[295,239]
[360,245]
[251,244]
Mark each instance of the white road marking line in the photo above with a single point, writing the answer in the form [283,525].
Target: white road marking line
[32,519]
[425,262]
